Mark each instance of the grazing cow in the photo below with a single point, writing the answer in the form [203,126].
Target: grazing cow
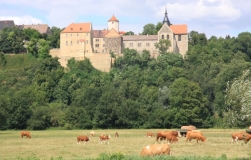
[189,128]
[156,149]
[240,136]
[195,135]
[25,133]
[116,135]
[104,138]
[149,134]
[92,133]
[84,139]
[168,135]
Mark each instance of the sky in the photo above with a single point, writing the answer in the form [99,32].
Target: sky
[212,17]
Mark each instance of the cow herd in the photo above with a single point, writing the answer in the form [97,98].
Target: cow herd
[160,147]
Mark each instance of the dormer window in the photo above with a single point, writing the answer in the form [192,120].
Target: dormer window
[80,28]
[71,29]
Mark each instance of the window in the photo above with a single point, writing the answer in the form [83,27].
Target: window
[102,51]
[71,42]
[86,41]
[66,35]
[167,37]
[86,51]
[103,45]
[96,45]
[77,34]
[71,35]
[86,34]
[139,44]
[96,51]
[162,36]
[66,43]
[148,44]
[179,38]
[77,42]
[110,45]
[114,39]
[112,22]
[97,40]
[124,45]
[131,44]
[109,39]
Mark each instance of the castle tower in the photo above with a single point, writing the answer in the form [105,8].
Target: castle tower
[166,20]
[113,23]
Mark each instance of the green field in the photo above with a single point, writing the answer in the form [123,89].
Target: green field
[62,144]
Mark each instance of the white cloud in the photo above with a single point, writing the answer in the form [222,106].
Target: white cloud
[22,20]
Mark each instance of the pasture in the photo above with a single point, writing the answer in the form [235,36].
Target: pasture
[53,144]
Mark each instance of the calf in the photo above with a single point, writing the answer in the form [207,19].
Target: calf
[149,134]
[116,135]
[195,135]
[92,133]
[25,133]
[84,139]
[104,138]
[156,149]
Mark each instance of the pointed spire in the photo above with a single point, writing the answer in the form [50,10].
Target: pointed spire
[166,20]
[113,19]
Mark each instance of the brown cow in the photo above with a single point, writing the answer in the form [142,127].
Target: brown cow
[189,128]
[240,136]
[104,138]
[116,135]
[84,139]
[168,135]
[25,133]
[195,135]
[156,149]
[149,134]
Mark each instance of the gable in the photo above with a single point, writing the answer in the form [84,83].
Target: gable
[112,33]
[165,28]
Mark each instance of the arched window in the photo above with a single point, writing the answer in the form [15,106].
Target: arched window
[162,36]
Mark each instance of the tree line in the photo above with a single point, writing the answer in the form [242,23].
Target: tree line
[207,88]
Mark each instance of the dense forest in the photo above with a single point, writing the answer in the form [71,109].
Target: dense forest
[209,87]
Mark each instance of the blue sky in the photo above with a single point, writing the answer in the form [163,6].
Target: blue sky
[212,17]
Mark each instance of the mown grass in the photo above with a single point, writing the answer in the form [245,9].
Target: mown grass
[61,144]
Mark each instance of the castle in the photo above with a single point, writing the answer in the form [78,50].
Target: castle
[80,41]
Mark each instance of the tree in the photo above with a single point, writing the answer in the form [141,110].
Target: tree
[163,45]
[54,38]
[43,49]
[149,29]
[2,60]
[158,26]
[238,101]
[129,33]
[187,97]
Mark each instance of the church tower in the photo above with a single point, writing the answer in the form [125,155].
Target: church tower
[113,23]
[166,20]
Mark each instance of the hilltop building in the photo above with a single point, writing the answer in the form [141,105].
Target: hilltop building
[80,41]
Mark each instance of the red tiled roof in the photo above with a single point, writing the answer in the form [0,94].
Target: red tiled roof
[113,19]
[122,32]
[78,28]
[179,29]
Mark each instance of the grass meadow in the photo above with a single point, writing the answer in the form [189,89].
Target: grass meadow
[62,144]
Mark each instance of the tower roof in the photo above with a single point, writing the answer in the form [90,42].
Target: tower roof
[113,19]
[166,20]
